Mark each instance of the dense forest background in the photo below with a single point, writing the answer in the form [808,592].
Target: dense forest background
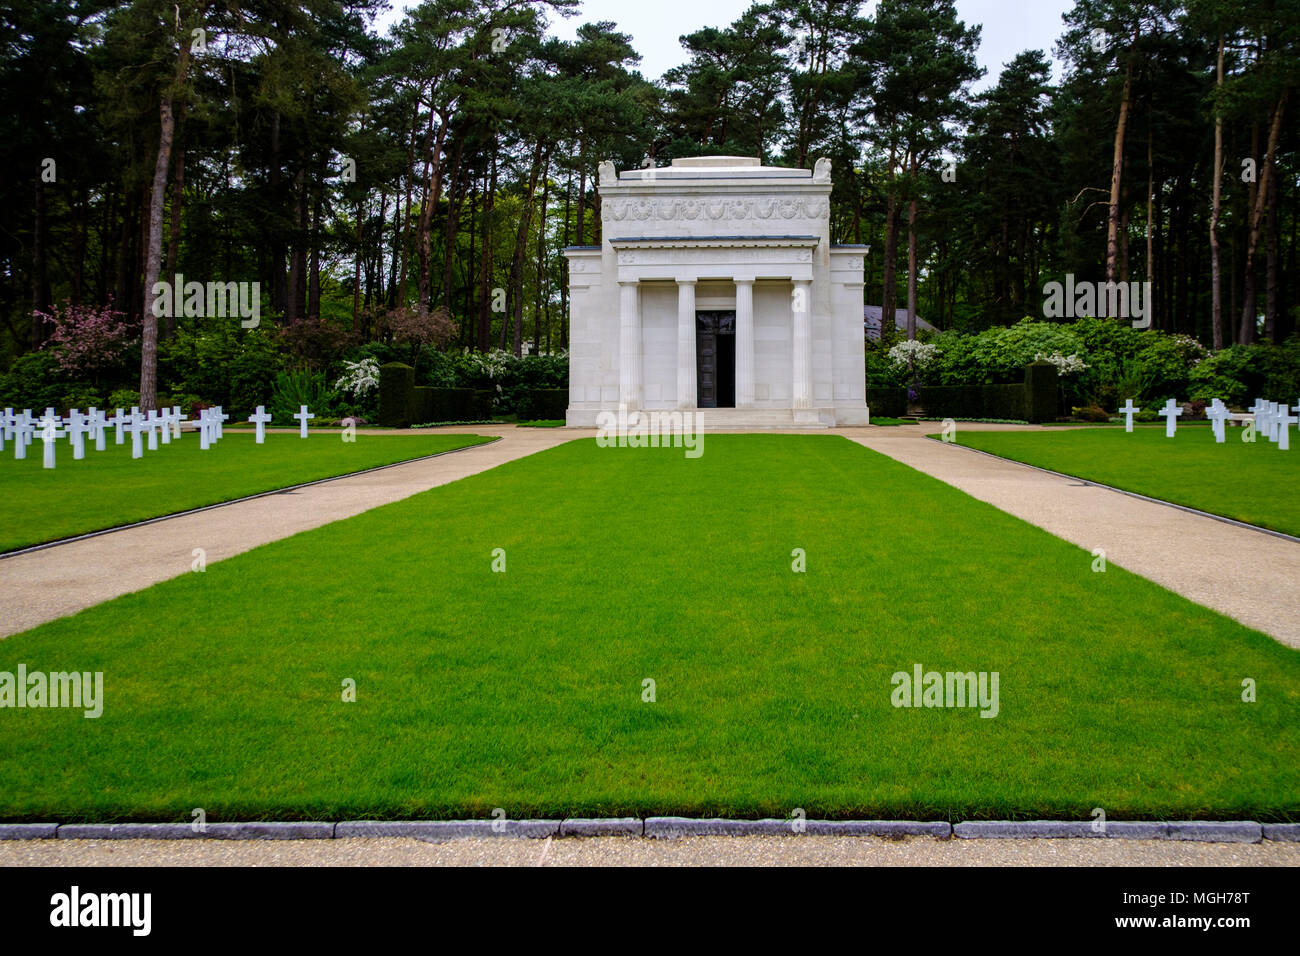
[418,188]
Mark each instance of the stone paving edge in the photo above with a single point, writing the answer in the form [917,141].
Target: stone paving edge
[666,828]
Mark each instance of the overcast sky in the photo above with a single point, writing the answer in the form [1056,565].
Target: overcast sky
[1010,26]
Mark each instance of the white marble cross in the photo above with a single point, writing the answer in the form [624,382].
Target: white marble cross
[118,421]
[152,421]
[302,416]
[1128,411]
[260,418]
[77,429]
[1259,410]
[1218,414]
[1170,412]
[1275,413]
[22,432]
[136,427]
[165,425]
[177,418]
[205,429]
[6,426]
[1284,422]
[97,424]
[50,433]
[218,418]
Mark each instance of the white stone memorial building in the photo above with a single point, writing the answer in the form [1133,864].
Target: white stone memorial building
[715,287]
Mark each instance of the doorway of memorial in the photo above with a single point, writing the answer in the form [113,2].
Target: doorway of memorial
[715,359]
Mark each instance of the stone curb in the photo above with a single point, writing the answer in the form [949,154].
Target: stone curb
[448,829]
[610,826]
[28,831]
[1282,832]
[185,831]
[665,828]
[1205,831]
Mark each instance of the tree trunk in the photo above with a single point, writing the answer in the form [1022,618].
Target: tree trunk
[432,191]
[539,293]
[1271,281]
[40,267]
[1248,311]
[889,295]
[485,260]
[515,287]
[1216,279]
[1116,178]
[153,258]
[911,257]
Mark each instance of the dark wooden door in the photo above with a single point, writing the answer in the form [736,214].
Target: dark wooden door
[715,354]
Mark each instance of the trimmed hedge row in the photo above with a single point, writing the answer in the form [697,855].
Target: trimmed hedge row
[1034,400]
[396,394]
[431,404]
[402,403]
[887,402]
[542,404]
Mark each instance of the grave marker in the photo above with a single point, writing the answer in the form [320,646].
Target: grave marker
[260,418]
[1170,412]
[1128,411]
[1218,414]
[50,433]
[302,417]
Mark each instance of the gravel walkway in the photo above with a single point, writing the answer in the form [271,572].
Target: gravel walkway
[62,580]
[1247,575]
[624,851]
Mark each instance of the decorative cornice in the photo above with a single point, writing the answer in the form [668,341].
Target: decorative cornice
[718,208]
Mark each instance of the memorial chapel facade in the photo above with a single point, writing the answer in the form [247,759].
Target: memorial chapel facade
[716,288]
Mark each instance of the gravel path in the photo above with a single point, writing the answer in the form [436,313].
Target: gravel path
[624,851]
[62,580]
[1249,576]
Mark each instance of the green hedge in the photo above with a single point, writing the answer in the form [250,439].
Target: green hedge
[396,395]
[1006,402]
[542,404]
[953,401]
[1041,391]
[449,405]
[887,402]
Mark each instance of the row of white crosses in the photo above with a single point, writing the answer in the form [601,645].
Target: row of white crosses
[1273,420]
[21,427]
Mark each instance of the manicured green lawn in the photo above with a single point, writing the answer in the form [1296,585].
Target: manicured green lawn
[1255,483]
[109,488]
[524,689]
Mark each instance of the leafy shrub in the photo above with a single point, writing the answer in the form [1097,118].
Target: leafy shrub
[296,388]
[34,381]
[1091,413]
[126,398]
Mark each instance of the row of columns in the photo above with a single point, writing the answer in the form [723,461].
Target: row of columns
[630,384]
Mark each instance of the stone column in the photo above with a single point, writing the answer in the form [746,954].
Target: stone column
[686,343]
[629,365]
[801,341]
[744,342]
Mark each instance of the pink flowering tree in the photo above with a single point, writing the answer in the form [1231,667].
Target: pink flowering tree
[87,338]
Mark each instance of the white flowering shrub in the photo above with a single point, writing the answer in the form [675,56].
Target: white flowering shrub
[913,354]
[359,378]
[1065,364]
